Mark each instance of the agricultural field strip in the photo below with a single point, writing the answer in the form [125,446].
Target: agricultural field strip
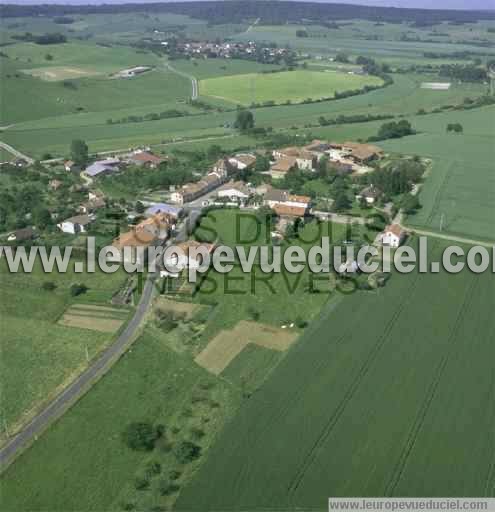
[334,418]
[428,400]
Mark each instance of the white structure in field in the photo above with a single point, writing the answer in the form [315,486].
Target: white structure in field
[392,236]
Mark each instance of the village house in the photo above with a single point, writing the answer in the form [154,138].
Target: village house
[75,225]
[242,161]
[235,191]
[393,236]
[192,191]
[92,205]
[305,160]
[136,244]
[370,194]
[223,167]
[158,225]
[145,159]
[282,166]
[177,262]
[276,198]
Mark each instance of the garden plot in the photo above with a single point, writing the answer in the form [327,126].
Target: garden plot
[228,344]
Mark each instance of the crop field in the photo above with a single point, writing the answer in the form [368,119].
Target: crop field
[54,134]
[459,194]
[94,318]
[294,86]
[365,38]
[38,345]
[351,379]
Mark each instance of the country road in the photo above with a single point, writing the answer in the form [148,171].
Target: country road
[194,82]
[15,152]
[81,384]
[452,238]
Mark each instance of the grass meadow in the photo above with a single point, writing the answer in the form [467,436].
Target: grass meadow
[87,466]
[35,344]
[296,86]
[378,398]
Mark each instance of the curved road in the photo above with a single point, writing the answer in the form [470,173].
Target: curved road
[194,82]
[83,383]
[15,152]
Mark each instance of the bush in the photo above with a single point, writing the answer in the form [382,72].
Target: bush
[167,488]
[48,286]
[140,483]
[153,468]
[140,436]
[168,320]
[301,323]
[78,289]
[174,475]
[187,451]
[254,314]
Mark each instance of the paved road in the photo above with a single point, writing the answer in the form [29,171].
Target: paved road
[194,82]
[15,152]
[82,384]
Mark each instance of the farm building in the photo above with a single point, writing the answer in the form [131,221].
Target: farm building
[362,153]
[393,235]
[101,167]
[236,191]
[172,211]
[75,225]
[132,72]
[145,159]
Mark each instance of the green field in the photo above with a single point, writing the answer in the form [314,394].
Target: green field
[54,134]
[78,82]
[36,345]
[295,86]
[459,194]
[85,464]
[398,403]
